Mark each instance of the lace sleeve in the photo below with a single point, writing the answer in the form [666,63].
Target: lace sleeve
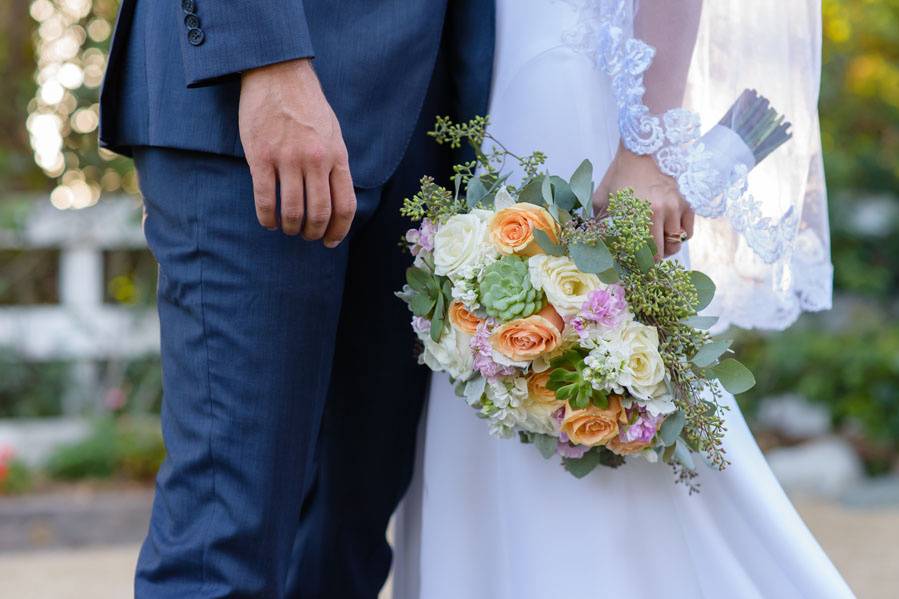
[762,231]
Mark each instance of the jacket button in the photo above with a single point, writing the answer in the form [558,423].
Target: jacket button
[195,37]
[189,6]
[192,21]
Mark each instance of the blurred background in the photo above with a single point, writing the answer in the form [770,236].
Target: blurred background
[80,386]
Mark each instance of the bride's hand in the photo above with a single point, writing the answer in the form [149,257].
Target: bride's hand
[672,216]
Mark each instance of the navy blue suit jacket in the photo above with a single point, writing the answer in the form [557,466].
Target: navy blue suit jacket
[173,78]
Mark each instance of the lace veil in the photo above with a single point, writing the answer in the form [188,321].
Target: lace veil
[676,66]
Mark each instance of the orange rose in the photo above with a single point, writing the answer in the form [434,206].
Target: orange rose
[620,447]
[462,319]
[594,426]
[538,391]
[550,314]
[524,339]
[512,229]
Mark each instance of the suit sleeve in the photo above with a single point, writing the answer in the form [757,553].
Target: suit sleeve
[222,38]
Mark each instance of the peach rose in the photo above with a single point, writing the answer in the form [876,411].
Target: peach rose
[512,229]
[538,391]
[524,339]
[462,319]
[620,447]
[594,426]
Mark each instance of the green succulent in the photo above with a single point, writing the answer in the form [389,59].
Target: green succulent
[506,291]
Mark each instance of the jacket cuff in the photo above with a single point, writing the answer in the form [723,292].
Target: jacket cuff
[220,40]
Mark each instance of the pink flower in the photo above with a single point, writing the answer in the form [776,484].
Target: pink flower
[114,400]
[421,325]
[603,307]
[567,450]
[644,427]
[483,354]
[422,238]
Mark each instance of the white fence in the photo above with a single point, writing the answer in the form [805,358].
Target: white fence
[81,328]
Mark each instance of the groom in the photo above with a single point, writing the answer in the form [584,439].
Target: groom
[275,140]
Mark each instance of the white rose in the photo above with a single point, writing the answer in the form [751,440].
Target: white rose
[644,369]
[565,286]
[453,354]
[461,245]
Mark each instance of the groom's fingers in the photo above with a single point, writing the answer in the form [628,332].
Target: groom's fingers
[263,174]
[343,206]
[291,203]
[318,204]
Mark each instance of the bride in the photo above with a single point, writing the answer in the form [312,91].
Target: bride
[487,518]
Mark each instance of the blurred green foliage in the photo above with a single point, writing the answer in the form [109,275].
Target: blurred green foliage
[124,448]
[15,477]
[853,370]
[30,389]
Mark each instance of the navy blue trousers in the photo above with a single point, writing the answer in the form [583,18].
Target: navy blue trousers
[291,390]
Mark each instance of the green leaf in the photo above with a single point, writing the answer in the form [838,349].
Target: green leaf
[600,399]
[418,279]
[459,388]
[563,197]
[532,193]
[682,454]
[546,444]
[560,377]
[610,459]
[609,276]
[546,244]
[705,288]
[735,377]
[582,186]
[421,304]
[702,323]
[672,427]
[457,184]
[646,257]
[475,192]
[708,353]
[582,466]
[591,258]
[582,399]
[438,320]
[546,191]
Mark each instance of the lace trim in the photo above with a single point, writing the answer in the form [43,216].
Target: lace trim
[673,138]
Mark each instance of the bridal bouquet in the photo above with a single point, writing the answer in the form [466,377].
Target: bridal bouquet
[558,325]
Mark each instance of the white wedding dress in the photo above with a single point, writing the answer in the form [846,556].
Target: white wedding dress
[487,518]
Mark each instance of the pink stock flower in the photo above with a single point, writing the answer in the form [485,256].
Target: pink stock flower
[644,427]
[483,354]
[422,238]
[603,307]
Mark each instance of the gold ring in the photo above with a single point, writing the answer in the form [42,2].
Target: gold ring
[677,238]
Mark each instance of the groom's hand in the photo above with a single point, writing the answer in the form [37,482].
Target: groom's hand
[292,139]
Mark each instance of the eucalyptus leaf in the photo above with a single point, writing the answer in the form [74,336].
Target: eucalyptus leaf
[710,352]
[581,183]
[546,244]
[682,454]
[672,426]
[457,185]
[546,444]
[563,196]
[591,258]
[735,377]
[582,466]
[702,323]
[475,192]
[646,257]
[459,388]
[532,193]
[609,276]
[546,191]
[705,288]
